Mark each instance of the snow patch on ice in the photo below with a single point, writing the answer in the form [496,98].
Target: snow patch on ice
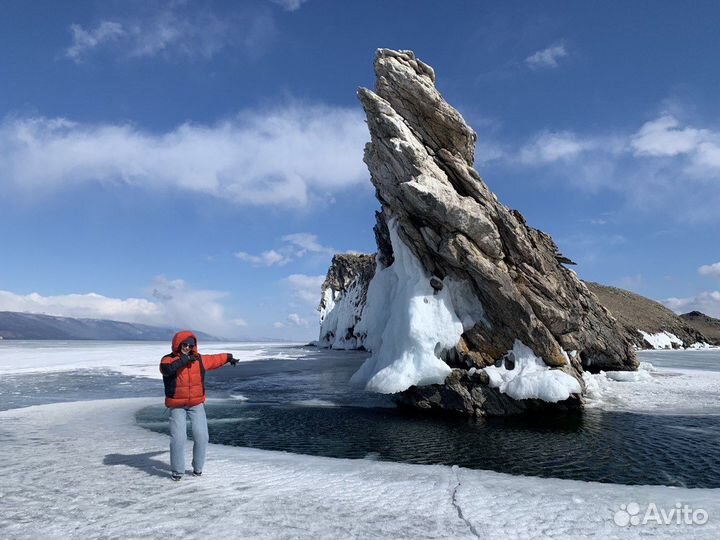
[408,324]
[531,378]
[655,390]
[315,403]
[662,340]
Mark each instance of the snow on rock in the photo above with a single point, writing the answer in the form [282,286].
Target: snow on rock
[662,340]
[93,473]
[343,299]
[408,324]
[531,378]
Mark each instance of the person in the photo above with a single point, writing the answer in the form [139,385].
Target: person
[183,372]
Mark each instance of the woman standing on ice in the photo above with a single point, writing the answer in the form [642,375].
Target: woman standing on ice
[183,372]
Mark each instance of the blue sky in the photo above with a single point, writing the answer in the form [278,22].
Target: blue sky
[197,163]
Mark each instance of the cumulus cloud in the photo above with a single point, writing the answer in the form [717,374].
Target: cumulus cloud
[172,29]
[707,302]
[295,246]
[284,156]
[170,303]
[547,58]
[710,270]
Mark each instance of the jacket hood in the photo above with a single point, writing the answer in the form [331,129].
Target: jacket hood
[180,337]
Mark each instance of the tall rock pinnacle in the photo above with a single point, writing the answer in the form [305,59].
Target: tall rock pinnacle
[421,157]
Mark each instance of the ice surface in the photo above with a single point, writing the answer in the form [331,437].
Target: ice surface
[662,340]
[657,390]
[408,324]
[86,470]
[531,378]
[140,359]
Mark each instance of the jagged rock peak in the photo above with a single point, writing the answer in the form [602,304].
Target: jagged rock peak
[420,159]
[461,281]
[408,85]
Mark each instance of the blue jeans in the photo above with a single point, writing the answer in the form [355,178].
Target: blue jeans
[178,434]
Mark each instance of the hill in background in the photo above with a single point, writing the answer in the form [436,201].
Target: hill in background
[14,325]
[638,313]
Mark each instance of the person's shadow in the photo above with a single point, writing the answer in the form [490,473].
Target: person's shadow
[144,462]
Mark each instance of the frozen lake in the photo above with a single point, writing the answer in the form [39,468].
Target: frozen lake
[662,429]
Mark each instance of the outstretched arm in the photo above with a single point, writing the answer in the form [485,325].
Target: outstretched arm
[214,361]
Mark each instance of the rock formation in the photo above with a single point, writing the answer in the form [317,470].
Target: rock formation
[461,281]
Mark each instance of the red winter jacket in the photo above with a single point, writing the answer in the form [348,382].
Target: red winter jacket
[185,381]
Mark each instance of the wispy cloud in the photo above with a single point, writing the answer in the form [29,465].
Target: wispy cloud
[710,270]
[305,288]
[290,5]
[293,319]
[285,156]
[295,246]
[266,258]
[86,40]
[663,165]
[172,29]
[707,302]
[169,303]
[547,58]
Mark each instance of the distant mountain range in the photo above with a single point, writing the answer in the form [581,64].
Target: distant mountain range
[14,325]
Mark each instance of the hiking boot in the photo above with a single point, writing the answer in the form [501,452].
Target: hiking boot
[197,473]
[176,476]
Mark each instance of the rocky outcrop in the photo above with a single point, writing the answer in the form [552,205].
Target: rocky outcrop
[649,323]
[486,281]
[344,293]
[708,326]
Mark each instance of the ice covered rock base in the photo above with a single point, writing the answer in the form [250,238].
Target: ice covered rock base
[461,281]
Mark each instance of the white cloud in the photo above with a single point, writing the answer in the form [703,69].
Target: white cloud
[86,40]
[295,320]
[307,243]
[170,304]
[306,288]
[710,270]
[708,302]
[664,137]
[173,29]
[547,58]
[549,147]
[297,245]
[290,5]
[239,322]
[266,258]
[283,156]
[664,165]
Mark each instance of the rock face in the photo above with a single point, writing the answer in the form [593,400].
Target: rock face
[708,326]
[644,318]
[344,294]
[489,281]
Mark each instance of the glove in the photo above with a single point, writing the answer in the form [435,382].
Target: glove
[232,361]
[187,359]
